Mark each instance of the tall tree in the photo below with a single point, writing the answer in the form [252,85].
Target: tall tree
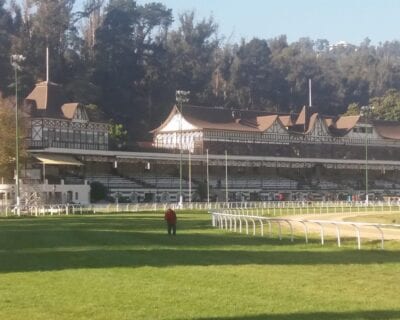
[192,50]
[6,26]
[128,52]
[387,107]
[252,75]
[7,141]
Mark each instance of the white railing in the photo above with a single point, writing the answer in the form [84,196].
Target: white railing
[237,221]
[268,208]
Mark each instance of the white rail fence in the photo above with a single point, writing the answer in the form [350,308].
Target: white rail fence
[237,222]
[270,208]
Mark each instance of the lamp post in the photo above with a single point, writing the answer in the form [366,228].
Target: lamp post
[208,184]
[16,59]
[226,179]
[366,111]
[181,98]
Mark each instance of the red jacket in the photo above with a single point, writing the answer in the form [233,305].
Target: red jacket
[170,216]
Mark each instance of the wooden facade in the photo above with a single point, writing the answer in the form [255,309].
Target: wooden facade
[183,130]
[55,123]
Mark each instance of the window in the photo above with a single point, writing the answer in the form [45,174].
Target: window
[77,137]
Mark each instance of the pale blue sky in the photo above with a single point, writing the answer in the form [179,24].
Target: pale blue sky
[335,20]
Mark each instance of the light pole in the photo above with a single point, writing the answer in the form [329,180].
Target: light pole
[208,184]
[226,178]
[181,98]
[16,59]
[365,111]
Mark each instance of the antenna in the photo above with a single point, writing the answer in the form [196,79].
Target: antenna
[47,64]
[309,93]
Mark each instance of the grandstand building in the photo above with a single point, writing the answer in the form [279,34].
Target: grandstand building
[304,135]
[269,156]
[55,122]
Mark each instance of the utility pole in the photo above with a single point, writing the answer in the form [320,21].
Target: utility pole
[16,60]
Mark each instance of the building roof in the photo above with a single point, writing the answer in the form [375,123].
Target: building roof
[260,121]
[68,109]
[47,100]
[387,129]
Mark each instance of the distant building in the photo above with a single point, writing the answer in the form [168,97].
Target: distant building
[341,45]
[55,122]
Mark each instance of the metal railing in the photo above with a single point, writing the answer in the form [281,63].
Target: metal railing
[237,220]
[269,208]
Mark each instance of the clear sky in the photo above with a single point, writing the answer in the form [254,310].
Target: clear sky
[334,20]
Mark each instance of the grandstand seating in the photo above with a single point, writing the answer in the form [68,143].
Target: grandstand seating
[114,183]
[161,181]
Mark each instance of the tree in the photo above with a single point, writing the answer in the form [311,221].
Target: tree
[253,76]
[191,51]
[128,52]
[352,110]
[118,136]
[7,141]
[387,107]
[98,191]
[6,25]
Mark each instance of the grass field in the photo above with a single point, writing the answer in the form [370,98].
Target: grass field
[126,267]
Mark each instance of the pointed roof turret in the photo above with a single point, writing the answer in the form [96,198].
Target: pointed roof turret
[47,98]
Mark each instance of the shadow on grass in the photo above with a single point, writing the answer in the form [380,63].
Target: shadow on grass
[353,315]
[130,241]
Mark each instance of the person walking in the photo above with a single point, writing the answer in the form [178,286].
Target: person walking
[170,218]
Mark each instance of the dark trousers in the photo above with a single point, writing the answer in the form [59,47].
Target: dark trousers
[172,228]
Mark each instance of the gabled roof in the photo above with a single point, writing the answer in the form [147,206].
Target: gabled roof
[313,120]
[302,117]
[47,98]
[286,120]
[346,122]
[260,121]
[265,122]
[343,125]
[69,109]
[216,118]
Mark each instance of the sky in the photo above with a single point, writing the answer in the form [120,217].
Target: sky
[335,20]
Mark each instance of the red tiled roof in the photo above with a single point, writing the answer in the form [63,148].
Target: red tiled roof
[346,122]
[48,98]
[69,109]
[286,120]
[265,122]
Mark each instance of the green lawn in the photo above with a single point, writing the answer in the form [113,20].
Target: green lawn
[126,267]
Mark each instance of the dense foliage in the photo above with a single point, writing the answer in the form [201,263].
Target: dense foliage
[127,59]
[8,136]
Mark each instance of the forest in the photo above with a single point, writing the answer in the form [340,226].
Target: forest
[129,59]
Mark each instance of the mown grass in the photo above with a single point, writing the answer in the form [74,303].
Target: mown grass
[126,267]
